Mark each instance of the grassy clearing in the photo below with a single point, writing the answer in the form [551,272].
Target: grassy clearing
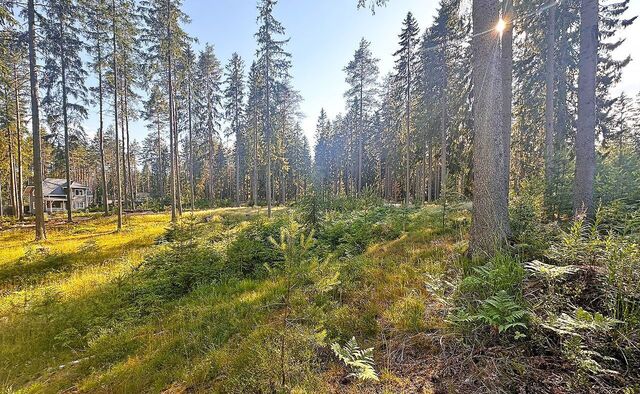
[229,301]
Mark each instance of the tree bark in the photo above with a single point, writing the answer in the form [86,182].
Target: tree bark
[103,170]
[489,228]
[172,175]
[19,135]
[585,136]
[506,41]
[65,120]
[549,105]
[192,186]
[35,124]
[115,112]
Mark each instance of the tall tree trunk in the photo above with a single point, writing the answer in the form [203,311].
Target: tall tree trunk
[172,175]
[192,186]
[19,135]
[103,170]
[360,136]
[489,228]
[237,132]
[443,138]
[506,41]
[585,136]
[160,165]
[124,147]
[549,107]
[11,163]
[254,178]
[176,151]
[407,145]
[35,125]
[115,112]
[126,125]
[65,120]
[268,130]
[430,194]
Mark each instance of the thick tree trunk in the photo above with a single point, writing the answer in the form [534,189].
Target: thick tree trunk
[549,107]
[254,178]
[115,113]
[585,136]
[35,124]
[489,228]
[507,98]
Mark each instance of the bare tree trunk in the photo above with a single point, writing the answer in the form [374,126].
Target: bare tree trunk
[105,196]
[176,151]
[115,114]
[11,163]
[19,135]
[430,191]
[174,218]
[489,228]
[360,136]
[254,179]
[160,165]
[126,125]
[585,136]
[549,107]
[124,147]
[507,98]
[65,120]
[191,165]
[35,124]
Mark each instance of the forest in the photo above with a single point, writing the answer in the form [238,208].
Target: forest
[468,223]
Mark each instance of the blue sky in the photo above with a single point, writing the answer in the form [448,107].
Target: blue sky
[323,36]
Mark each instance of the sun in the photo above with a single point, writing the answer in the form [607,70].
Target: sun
[501,25]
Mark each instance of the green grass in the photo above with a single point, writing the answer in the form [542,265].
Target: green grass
[86,313]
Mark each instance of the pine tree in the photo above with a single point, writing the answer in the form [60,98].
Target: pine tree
[362,77]
[209,112]
[274,63]
[97,27]
[406,67]
[64,76]
[234,110]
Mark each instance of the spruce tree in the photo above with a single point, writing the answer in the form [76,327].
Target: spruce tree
[274,63]
[235,112]
[406,67]
[362,77]
[64,78]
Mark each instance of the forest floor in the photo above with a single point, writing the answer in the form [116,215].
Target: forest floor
[195,308]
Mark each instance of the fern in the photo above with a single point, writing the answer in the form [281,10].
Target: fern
[500,312]
[359,361]
[549,272]
[582,322]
